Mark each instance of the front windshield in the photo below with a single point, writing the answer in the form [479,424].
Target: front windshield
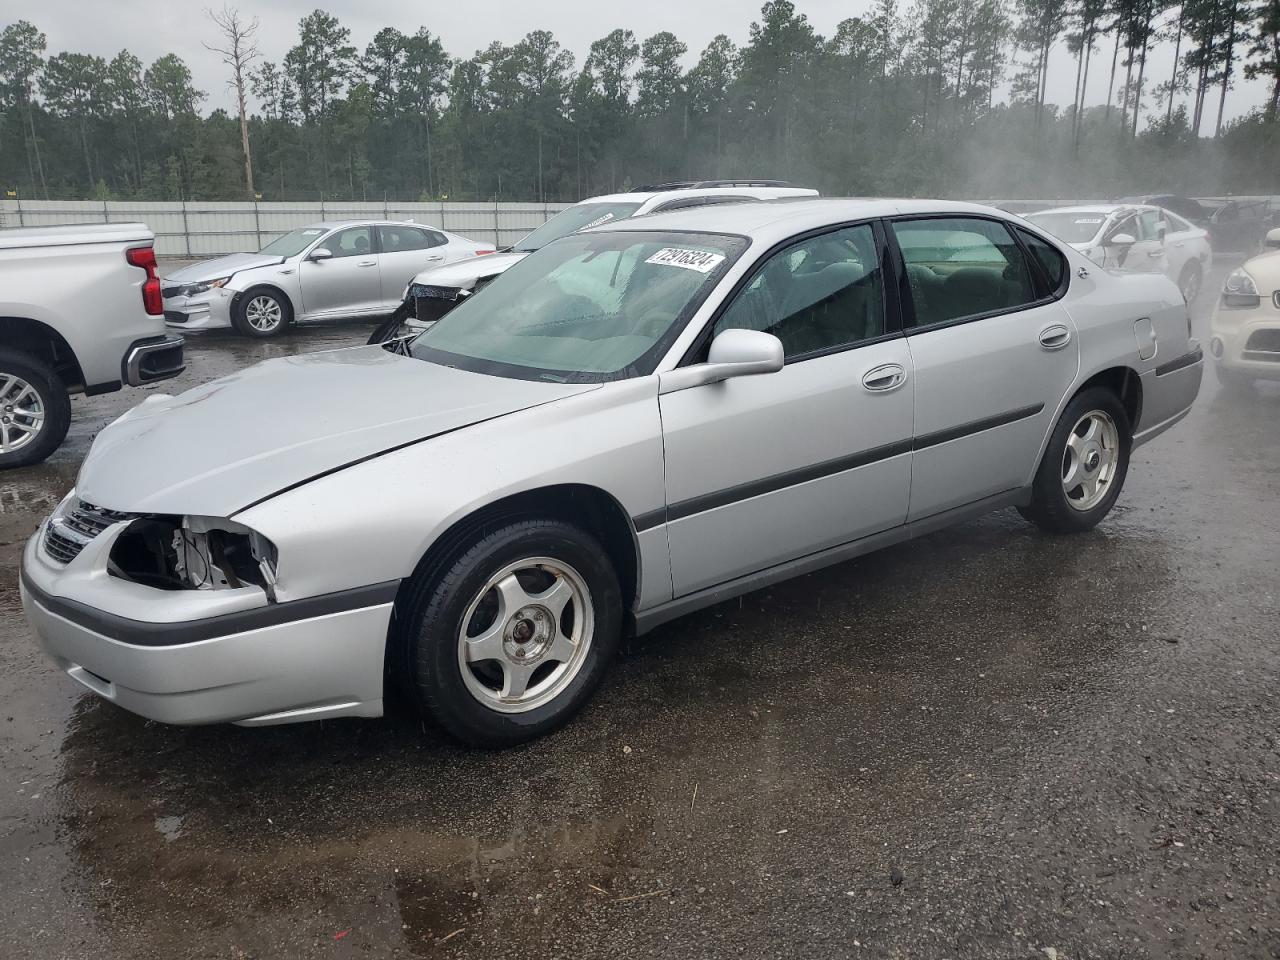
[578,217]
[293,242]
[588,308]
[1079,226]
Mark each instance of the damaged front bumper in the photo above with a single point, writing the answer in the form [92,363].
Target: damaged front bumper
[190,656]
[210,310]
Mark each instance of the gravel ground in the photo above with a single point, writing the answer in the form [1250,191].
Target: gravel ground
[985,743]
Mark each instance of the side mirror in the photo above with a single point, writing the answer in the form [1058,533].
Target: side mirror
[320,253]
[733,353]
[1272,242]
[1121,240]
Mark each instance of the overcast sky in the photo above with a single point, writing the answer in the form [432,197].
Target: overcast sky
[151,28]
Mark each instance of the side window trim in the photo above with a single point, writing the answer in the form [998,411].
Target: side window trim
[1044,284]
[889,304]
[908,304]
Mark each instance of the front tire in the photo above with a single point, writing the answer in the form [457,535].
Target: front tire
[1084,465]
[261,313]
[508,639]
[35,410]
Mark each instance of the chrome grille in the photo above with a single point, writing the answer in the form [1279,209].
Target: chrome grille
[67,535]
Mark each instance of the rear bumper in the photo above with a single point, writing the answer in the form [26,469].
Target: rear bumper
[152,360]
[311,667]
[1168,392]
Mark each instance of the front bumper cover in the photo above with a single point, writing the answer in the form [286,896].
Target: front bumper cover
[231,657]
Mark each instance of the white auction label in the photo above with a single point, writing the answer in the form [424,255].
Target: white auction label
[698,260]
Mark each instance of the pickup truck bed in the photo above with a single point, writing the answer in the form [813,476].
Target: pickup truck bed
[80,312]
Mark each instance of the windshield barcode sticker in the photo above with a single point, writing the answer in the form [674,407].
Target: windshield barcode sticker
[597,221]
[1088,220]
[698,260]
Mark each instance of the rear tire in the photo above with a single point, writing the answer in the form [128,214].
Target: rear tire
[1084,465]
[508,638]
[35,410]
[261,313]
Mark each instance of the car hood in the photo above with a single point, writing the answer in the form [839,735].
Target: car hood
[466,272]
[221,267]
[220,447]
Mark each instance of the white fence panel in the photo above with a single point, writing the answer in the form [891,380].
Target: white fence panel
[213,228]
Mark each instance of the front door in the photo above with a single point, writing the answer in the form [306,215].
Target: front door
[993,350]
[347,283]
[765,469]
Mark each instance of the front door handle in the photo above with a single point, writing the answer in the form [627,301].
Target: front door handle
[1156,254]
[886,377]
[367,263]
[437,256]
[1055,336]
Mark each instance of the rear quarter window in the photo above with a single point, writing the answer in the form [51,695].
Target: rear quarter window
[1052,263]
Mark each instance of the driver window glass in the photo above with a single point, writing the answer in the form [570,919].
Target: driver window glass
[1128,225]
[353,242]
[819,294]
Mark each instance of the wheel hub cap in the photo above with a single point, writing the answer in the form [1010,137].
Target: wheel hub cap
[23,414]
[525,635]
[1090,460]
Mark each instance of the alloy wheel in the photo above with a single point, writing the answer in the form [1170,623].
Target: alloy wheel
[525,635]
[1090,460]
[22,413]
[263,313]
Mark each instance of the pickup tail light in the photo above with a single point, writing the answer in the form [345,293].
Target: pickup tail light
[145,257]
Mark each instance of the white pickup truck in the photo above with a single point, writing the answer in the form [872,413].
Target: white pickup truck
[80,312]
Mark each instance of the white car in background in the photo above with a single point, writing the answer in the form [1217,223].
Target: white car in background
[437,290]
[1244,333]
[1135,237]
[331,270]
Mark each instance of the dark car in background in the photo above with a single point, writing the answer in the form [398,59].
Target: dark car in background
[1235,224]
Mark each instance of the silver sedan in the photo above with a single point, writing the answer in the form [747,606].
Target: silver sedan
[632,423]
[332,270]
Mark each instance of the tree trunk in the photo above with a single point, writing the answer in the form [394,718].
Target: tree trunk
[1142,69]
[1226,67]
[35,146]
[1115,58]
[1173,77]
[84,140]
[244,133]
[1084,88]
[1076,99]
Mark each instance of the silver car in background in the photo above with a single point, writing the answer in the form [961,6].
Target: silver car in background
[634,422]
[331,270]
[1140,238]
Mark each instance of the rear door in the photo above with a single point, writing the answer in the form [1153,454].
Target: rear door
[993,351]
[406,251]
[347,283]
[765,469]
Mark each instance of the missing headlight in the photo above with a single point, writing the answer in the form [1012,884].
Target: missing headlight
[194,553]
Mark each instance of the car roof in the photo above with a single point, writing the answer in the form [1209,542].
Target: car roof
[757,193]
[1107,208]
[770,221]
[334,224]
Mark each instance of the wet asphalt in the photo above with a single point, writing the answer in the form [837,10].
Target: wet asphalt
[985,743]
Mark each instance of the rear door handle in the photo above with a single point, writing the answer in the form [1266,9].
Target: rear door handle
[438,256]
[367,263]
[886,377]
[1055,336]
